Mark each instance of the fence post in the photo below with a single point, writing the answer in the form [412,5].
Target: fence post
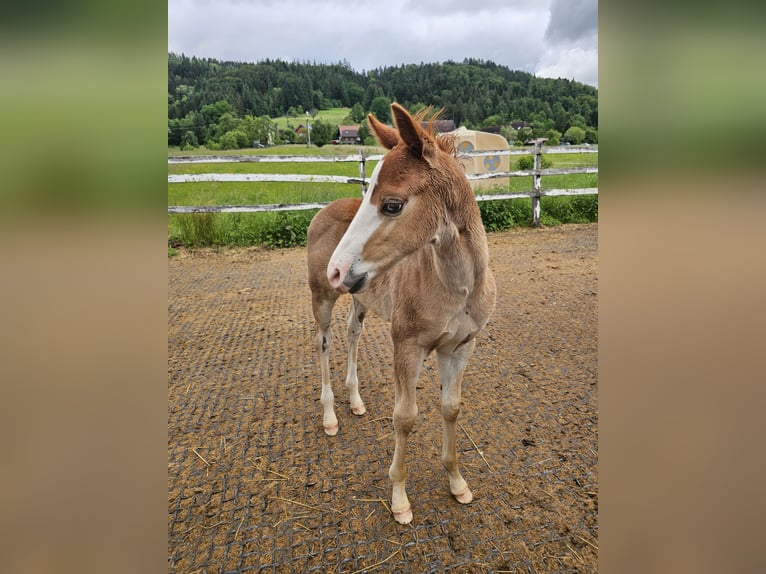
[536,184]
[361,169]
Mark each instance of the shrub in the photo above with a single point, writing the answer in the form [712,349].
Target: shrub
[280,229]
[521,210]
[234,139]
[285,229]
[289,228]
[556,210]
[496,214]
[576,209]
[548,220]
[586,206]
[527,162]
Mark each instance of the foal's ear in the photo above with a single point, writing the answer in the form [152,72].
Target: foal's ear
[412,134]
[388,137]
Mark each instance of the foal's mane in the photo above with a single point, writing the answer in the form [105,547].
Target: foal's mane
[446,143]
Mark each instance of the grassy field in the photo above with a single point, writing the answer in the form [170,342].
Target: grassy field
[288,228]
[284,149]
[331,116]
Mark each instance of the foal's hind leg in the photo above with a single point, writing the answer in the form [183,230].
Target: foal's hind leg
[355,326]
[451,367]
[322,307]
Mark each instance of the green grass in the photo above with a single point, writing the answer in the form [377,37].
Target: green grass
[246,193]
[344,168]
[289,228]
[282,149]
[332,116]
[572,159]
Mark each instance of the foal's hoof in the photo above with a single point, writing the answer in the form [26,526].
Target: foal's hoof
[358,409]
[464,497]
[331,430]
[403,516]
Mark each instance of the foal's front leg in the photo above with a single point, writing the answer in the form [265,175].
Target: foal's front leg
[451,368]
[322,308]
[355,325]
[408,359]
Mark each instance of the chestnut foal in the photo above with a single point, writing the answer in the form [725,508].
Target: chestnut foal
[414,251]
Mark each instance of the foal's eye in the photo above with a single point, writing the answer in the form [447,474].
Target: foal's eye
[391,207]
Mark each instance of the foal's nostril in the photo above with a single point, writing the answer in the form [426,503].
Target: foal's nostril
[334,277]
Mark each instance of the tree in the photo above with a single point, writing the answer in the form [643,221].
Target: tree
[226,123]
[366,135]
[211,113]
[258,129]
[591,136]
[321,132]
[175,131]
[578,121]
[381,109]
[357,113]
[415,108]
[553,136]
[494,120]
[524,134]
[189,140]
[509,133]
[574,135]
[202,90]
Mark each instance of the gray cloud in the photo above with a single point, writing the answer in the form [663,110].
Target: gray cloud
[369,34]
[572,20]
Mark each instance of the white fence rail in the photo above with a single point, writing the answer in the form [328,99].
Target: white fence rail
[535,193]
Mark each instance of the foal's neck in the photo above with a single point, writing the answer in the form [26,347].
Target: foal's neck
[461,256]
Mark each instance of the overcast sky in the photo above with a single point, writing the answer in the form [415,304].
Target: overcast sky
[548,38]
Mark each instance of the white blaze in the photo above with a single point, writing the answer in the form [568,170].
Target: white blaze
[365,222]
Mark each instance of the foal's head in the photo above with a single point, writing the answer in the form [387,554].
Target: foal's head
[416,194]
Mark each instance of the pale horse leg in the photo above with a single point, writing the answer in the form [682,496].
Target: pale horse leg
[323,317]
[408,359]
[355,326]
[451,368]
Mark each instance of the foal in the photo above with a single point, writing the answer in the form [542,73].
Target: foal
[414,251]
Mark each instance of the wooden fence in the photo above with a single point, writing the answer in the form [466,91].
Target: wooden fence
[535,193]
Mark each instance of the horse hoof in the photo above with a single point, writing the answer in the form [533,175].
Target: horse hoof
[359,410]
[403,516]
[464,497]
[331,430]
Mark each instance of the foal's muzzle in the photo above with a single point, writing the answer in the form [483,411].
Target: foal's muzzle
[355,283]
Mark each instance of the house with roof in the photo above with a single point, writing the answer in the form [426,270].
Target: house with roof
[441,126]
[348,134]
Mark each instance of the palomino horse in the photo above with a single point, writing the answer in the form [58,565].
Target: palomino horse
[414,251]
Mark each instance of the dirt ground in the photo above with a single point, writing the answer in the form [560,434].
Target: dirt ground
[254,484]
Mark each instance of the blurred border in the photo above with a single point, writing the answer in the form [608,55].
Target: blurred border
[82,248]
[83,287]
[681,316]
